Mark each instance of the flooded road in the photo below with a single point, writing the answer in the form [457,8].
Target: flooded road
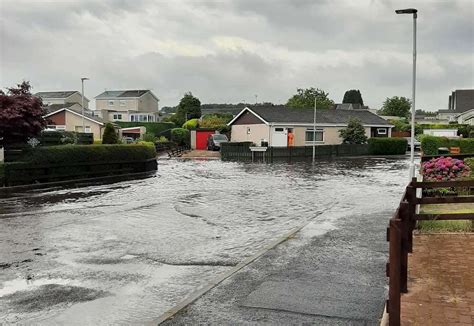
[127,252]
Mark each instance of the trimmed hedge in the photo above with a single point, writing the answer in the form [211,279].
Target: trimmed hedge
[68,162]
[70,154]
[430,144]
[387,146]
[53,138]
[151,127]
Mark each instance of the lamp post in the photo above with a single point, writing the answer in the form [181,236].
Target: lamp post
[413,12]
[314,131]
[82,103]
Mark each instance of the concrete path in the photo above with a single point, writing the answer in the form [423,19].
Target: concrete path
[329,273]
[440,281]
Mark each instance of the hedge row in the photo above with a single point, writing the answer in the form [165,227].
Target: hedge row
[70,154]
[430,144]
[387,146]
[52,138]
[151,127]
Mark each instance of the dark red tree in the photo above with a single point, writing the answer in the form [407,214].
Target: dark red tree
[21,115]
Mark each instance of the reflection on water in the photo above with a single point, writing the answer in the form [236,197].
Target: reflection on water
[177,231]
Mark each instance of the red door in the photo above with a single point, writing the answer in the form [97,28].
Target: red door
[201,138]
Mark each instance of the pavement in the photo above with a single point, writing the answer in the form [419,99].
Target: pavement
[329,273]
[441,281]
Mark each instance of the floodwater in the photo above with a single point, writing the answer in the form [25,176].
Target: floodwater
[127,252]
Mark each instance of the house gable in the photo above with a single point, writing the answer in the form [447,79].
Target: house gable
[247,118]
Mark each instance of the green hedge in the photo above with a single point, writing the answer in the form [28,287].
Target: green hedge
[430,144]
[69,154]
[53,138]
[387,146]
[181,136]
[151,127]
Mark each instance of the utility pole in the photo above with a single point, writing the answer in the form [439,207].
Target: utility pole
[82,103]
[314,131]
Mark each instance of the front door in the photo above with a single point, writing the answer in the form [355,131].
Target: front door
[279,137]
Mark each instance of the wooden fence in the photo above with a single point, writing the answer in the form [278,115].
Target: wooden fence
[400,234]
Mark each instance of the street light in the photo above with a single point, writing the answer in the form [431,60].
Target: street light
[314,130]
[82,103]
[413,12]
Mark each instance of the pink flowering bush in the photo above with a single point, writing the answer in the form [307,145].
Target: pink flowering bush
[444,169]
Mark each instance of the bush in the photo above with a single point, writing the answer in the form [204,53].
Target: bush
[354,133]
[430,144]
[180,136]
[70,154]
[149,137]
[444,169]
[151,127]
[162,139]
[387,146]
[191,124]
[109,136]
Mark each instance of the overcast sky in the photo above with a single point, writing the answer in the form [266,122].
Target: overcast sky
[228,51]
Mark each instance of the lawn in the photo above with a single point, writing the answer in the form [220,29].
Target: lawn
[446,226]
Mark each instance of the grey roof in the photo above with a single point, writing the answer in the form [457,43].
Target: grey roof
[87,113]
[125,93]
[60,94]
[55,107]
[330,116]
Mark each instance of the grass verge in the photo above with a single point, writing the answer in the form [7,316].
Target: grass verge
[446,226]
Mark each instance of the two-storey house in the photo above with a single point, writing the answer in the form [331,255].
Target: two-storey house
[62,97]
[127,105]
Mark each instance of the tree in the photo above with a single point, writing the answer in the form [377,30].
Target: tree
[354,133]
[304,98]
[109,136]
[396,106]
[353,96]
[21,115]
[189,107]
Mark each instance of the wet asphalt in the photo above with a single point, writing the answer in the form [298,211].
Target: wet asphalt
[128,252]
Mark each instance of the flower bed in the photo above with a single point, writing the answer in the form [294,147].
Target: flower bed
[444,169]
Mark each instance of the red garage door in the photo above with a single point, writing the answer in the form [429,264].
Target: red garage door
[201,138]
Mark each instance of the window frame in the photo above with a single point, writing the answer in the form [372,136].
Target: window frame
[318,131]
[385,132]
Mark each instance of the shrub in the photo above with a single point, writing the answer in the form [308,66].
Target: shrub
[109,136]
[387,146]
[354,133]
[69,154]
[191,124]
[180,136]
[149,137]
[162,139]
[466,145]
[444,169]
[151,127]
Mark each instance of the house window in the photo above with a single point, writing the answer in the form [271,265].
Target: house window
[122,103]
[117,116]
[381,131]
[111,103]
[310,134]
[87,129]
[279,129]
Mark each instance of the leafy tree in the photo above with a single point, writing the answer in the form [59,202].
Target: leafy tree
[354,133]
[189,107]
[109,136]
[426,113]
[353,96]
[304,98]
[21,115]
[396,106]
[191,124]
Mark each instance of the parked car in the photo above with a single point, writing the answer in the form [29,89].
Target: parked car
[128,140]
[417,144]
[214,141]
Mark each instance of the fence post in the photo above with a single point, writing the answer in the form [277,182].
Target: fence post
[405,232]
[393,306]
[411,198]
